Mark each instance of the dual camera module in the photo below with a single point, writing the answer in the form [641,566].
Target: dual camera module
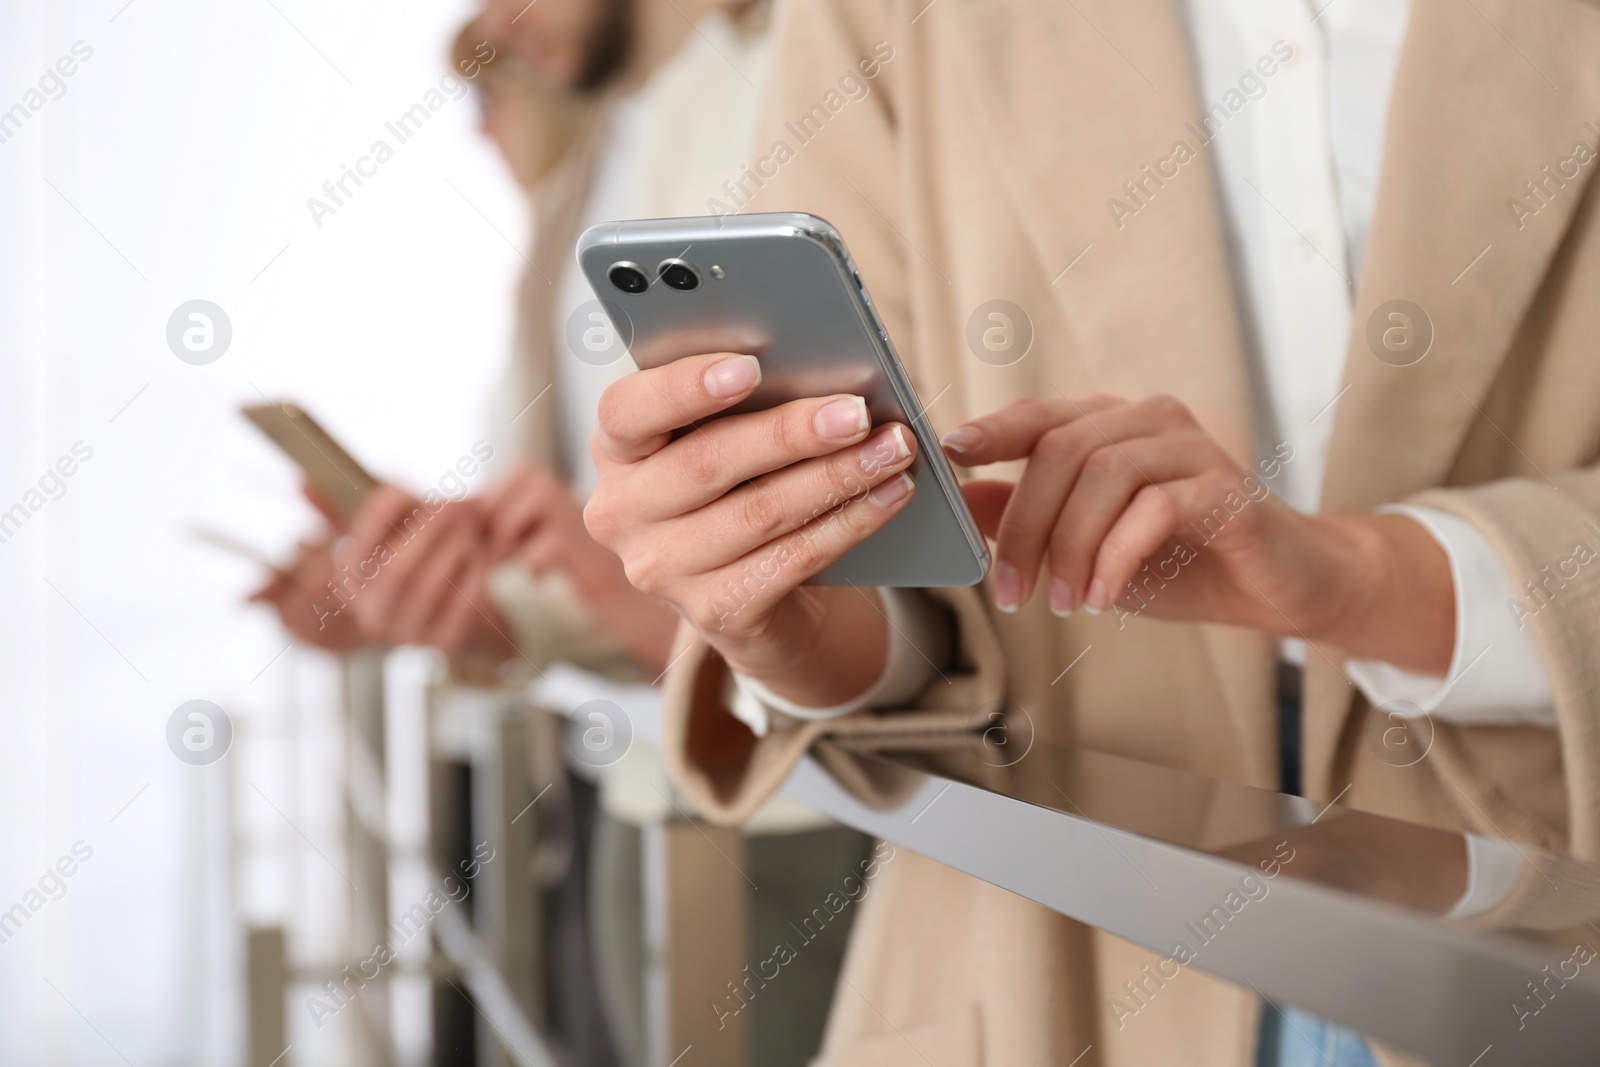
[676,273]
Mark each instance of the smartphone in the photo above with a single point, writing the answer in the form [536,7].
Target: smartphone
[781,286]
[327,466]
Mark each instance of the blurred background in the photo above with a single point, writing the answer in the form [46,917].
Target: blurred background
[221,845]
[174,164]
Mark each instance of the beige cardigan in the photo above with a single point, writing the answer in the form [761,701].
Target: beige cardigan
[979,167]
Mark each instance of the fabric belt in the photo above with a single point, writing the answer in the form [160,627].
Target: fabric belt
[1290,679]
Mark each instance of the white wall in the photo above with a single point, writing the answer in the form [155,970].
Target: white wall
[177,166]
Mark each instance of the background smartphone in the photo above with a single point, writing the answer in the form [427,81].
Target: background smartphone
[327,466]
[782,287]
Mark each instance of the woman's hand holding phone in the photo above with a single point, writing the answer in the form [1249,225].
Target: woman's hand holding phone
[727,520]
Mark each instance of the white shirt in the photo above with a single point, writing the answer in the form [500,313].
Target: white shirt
[1297,166]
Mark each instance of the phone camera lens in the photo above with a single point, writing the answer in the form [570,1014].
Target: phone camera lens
[629,277]
[679,275]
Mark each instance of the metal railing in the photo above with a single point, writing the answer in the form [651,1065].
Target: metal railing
[1146,853]
[1149,854]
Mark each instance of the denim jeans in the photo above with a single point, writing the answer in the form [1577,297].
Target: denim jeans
[1293,1038]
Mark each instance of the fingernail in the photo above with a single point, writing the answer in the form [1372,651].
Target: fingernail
[962,438]
[1060,598]
[887,450]
[1007,587]
[892,491]
[731,377]
[843,418]
[1097,598]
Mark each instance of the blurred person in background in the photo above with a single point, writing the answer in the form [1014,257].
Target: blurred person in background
[602,109]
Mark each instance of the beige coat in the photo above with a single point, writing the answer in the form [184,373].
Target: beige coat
[979,167]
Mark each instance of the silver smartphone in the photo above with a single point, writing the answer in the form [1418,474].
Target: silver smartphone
[782,287]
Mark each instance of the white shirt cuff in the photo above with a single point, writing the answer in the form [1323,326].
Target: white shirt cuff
[1493,868]
[1506,683]
[915,634]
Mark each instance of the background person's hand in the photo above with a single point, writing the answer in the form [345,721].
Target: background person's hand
[534,519]
[423,574]
[303,594]
[726,521]
[1134,502]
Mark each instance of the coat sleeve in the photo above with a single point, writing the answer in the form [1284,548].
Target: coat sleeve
[1544,531]
[727,772]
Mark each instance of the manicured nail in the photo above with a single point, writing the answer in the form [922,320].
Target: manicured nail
[1060,598]
[962,439]
[886,450]
[1007,587]
[731,377]
[1097,598]
[843,419]
[892,491]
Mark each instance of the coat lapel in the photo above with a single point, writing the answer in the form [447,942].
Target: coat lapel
[1100,96]
[1475,116]
[1092,110]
